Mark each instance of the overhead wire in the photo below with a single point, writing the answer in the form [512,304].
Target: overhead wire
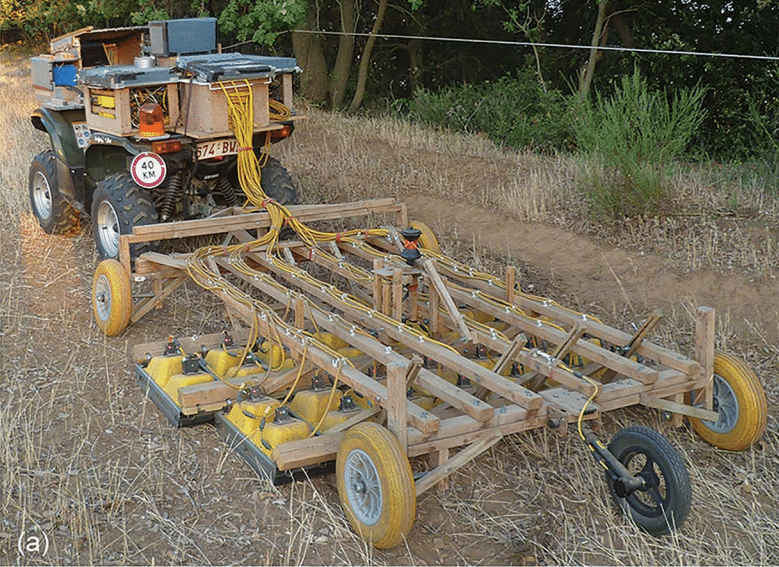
[549,45]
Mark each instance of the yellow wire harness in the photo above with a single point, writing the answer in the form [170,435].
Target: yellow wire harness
[202,269]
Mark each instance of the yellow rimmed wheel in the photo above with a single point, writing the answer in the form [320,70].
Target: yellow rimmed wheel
[375,485]
[428,239]
[740,400]
[112,297]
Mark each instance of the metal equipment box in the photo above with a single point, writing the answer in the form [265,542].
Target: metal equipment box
[54,81]
[205,111]
[113,95]
[182,37]
[115,111]
[204,108]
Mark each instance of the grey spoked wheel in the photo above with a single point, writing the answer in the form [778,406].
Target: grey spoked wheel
[726,404]
[54,213]
[107,229]
[119,204]
[375,484]
[363,489]
[102,298]
[739,398]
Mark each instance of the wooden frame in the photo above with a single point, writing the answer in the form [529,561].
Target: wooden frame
[505,382]
[118,120]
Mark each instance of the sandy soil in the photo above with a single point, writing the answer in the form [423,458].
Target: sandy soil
[596,273]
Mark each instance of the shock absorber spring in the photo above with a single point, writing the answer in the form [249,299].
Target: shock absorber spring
[172,195]
[224,189]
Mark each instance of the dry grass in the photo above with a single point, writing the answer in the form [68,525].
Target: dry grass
[351,158]
[84,457]
[726,219]
[18,140]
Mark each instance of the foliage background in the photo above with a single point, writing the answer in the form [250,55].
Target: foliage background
[517,96]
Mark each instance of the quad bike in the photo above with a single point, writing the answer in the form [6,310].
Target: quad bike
[139,128]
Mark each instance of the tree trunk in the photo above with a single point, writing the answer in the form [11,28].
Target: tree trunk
[620,23]
[365,60]
[311,57]
[343,61]
[586,81]
[416,58]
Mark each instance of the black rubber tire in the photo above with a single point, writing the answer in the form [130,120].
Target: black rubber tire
[54,213]
[277,183]
[664,505]
[118,205]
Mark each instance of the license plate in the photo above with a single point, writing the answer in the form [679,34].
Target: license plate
[218,148]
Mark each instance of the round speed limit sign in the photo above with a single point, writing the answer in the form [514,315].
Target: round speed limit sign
[148,170]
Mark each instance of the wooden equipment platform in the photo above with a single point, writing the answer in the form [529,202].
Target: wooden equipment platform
[494,359]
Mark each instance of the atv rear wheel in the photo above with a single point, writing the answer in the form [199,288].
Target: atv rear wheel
[118,205]
[277,183]
[54,213]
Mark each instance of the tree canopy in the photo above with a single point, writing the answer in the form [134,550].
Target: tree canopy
[742,95]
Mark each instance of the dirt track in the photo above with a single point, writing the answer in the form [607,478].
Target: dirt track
[612,277]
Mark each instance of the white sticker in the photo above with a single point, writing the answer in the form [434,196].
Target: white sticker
[82,134]
[148,170]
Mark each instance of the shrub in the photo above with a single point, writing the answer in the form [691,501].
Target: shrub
[633,138]
[514,111]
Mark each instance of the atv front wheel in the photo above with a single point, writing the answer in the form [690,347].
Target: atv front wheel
[118,205]
[54,213]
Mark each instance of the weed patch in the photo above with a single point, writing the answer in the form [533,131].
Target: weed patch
[514,111]
[632,139]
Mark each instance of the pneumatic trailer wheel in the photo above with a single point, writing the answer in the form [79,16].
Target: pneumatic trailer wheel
[375,485]
[112,298]
[54,213]
[277,183]
[664,502]
[118,205]
[740,400]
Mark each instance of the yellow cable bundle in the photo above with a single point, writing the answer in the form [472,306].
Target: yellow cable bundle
[278,111]
[241,107]
[240,104]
